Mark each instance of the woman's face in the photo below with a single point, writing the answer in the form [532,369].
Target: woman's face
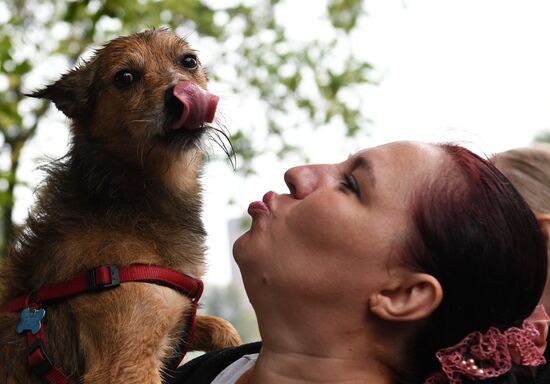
[340,231]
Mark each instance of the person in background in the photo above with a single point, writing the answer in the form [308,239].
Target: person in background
[405,263]
[528,169]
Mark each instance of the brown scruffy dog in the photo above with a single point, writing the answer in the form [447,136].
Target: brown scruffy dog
[126,195]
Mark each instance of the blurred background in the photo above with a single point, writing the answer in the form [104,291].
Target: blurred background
[299,81]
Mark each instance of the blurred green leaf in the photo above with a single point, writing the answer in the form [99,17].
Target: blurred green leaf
[543,137]
[345,13]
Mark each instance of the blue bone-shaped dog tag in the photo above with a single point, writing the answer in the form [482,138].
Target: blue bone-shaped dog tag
[30,320]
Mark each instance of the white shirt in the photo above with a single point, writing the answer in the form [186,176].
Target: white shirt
[234,371]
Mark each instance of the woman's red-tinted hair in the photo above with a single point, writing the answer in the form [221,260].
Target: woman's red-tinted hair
[478,237]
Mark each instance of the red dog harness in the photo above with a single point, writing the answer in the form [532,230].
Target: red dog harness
[95,280]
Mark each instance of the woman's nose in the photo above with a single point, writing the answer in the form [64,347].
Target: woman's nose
[303,180]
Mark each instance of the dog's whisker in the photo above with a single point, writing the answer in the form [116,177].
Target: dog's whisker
[148,121]
[140,150]
[198,152]
[218,135]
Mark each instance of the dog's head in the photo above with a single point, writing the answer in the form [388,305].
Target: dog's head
[142,97]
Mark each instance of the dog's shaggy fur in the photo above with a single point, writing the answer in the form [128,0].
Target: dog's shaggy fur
[127,192]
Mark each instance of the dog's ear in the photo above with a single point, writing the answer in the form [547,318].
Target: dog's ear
[71,94]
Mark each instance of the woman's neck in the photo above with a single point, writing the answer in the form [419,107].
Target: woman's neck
[288,367]
[318,345]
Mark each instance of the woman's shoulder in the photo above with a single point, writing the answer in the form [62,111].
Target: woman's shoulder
[205,368]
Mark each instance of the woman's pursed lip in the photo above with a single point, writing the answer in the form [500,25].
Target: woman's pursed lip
[261,206]
[267,197]
[256,206]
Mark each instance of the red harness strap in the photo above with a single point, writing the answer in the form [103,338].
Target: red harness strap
[95,280]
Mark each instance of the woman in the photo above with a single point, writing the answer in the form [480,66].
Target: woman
[390,267]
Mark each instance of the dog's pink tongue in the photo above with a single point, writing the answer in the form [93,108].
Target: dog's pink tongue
[199,105]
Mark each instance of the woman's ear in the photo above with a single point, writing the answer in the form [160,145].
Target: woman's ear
[411,299]
[544,223]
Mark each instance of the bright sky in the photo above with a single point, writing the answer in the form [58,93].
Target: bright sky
[474,71]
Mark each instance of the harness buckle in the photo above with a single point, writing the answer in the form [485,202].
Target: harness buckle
[39,358]
[103,277]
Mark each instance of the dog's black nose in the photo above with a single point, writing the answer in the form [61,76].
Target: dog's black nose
[173,108]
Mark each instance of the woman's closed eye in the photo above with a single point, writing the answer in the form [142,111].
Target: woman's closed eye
[350,183]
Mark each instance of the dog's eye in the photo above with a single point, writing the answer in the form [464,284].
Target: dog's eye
[189,62]
[125,78]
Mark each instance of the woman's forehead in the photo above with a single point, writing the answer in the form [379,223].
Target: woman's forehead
[390,173]
[406,153]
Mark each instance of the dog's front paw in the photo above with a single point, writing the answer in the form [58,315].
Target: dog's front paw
[213,333]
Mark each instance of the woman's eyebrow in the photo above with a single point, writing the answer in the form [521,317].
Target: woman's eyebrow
[364,164]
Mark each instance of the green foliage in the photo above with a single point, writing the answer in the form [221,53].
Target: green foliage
[296,81]
[345,13]
[543,137]
[230,302]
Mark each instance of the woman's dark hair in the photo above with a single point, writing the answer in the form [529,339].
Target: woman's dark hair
[478,237]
